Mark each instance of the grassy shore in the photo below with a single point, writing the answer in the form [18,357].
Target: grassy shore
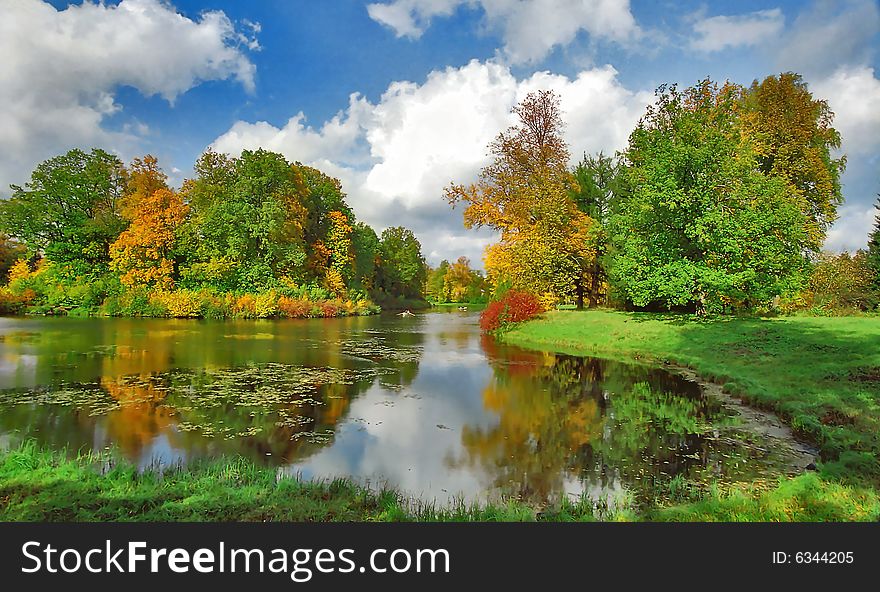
[821,374]
[42,485]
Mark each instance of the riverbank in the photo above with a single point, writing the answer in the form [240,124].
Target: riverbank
[41,485]
[820,374]
[189,304]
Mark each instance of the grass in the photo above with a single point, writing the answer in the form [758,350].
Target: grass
[821,374]
[49,486]
[806,498]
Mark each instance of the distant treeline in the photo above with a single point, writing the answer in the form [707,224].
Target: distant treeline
[252,237]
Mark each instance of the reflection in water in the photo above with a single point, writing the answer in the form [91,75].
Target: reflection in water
[425,404]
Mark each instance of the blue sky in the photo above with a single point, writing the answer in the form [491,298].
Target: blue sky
[399,97]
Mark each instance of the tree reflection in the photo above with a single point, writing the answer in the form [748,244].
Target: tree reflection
[562,418]
[275,392]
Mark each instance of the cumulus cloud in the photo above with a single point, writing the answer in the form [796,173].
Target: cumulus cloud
[827,34]
[530,29]
[851,230]
[60,71]
[410,18]
[853,93]
[396,156]
[721,32]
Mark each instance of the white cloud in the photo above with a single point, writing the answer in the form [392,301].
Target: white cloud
[851,230]
[410,18]
[721,32]
[530,29]
[828,34]
[853,94]
[60,71]
[337,137]
[395,157]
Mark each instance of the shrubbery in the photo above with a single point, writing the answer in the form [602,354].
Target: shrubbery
[48,290]
[514,307]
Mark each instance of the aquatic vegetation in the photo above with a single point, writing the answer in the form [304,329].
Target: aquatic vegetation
[279,395]
[376,349]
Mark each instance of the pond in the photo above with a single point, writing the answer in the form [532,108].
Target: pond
[425,404]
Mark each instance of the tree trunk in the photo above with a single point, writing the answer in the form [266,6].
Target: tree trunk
[594,285]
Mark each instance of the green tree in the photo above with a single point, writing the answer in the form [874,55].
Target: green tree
[435,282]
[248,213]
[70,210]
[873,257]
[402,268]
[793,139]
[598,183]
[702,227]
[365,245]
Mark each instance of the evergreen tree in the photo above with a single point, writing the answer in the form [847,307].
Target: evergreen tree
[874,246]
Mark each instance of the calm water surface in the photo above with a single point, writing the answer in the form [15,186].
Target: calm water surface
[424,404]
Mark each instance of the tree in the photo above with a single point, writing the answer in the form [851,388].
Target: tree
[873,257]
[10,252]
[842,281]
[70,209]
[323,199]
[142,253]
[402,268]
[702,227]
[598,183]
[461,283]
[792,138]
[524,194]
[365,245]
[435,283]
[341,258]
[248,213]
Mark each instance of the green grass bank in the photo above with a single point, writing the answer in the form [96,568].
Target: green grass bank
[821,374]
[42,485]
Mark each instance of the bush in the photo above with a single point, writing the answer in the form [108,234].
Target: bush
[841,283]
[13,303]
[266,305]
[331,308]
[179,304]
[514,307]
[246,306]
[294,308]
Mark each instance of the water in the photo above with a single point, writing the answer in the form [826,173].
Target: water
[425,404]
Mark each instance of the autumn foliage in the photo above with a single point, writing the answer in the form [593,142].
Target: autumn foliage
[514,307]
[141,254]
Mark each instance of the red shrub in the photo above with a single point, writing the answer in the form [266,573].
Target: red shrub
[294,308]
[330,308]
[514,307]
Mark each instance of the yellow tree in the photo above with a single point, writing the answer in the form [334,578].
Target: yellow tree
[141,254]
[793,138]
[457,280]
[341,257]
[524,193]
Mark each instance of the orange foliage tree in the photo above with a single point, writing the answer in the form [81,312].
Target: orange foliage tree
[545,241]
[141,253]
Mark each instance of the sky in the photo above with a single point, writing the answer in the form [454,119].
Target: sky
[398,98]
